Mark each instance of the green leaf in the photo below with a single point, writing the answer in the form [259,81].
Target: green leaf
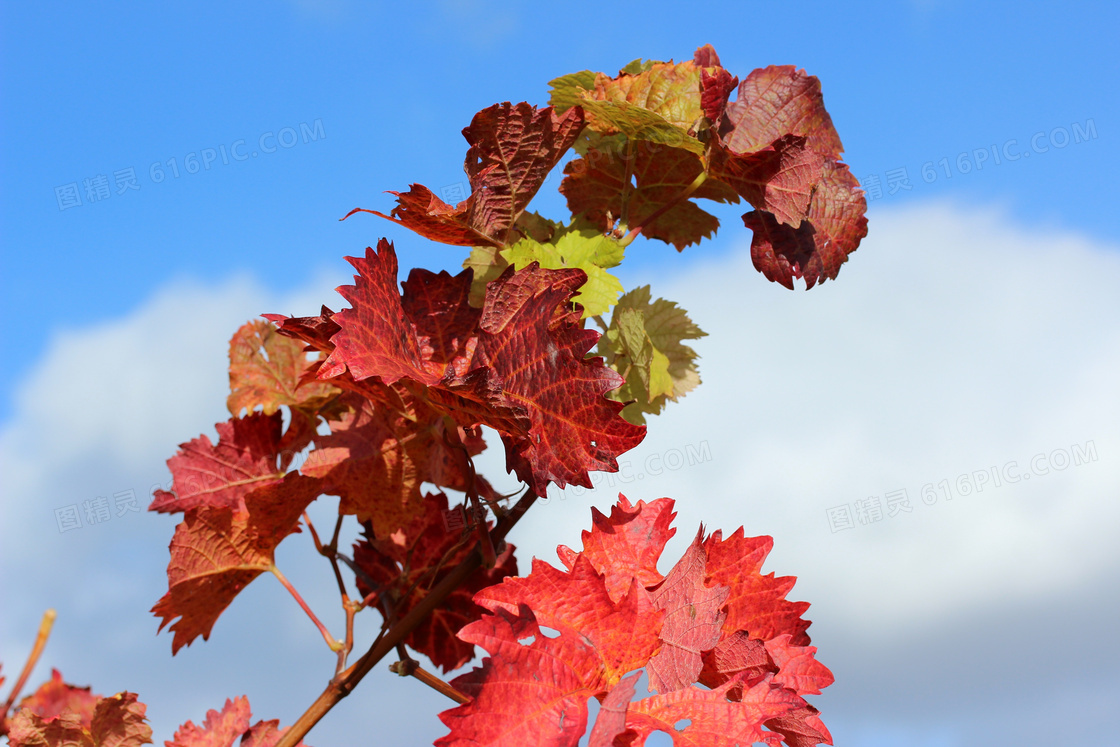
[487,264]
[567,88]
[587,250]
[638,123]
[638,66]
[644,343]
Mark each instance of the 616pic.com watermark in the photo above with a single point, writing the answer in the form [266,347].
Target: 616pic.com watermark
[977,159]
[98,188]
[871,509]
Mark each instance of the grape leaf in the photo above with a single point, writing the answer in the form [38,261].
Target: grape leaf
[228,727]
[512,149]
[591,252]
[533,687]
[218,550]
[243,460]
[797,667]
[376,458]
[537,349]
[835,224]
[116,721]
[376,337]
[406,565]
[531,693]
[266,369]
[220,728]
[596,185]
[526,372]
[780,179]
[659,103]
[757,603]
[610,724]
[692,621]
[626,545]
[56,696]
[715,721]
[645,341]
[446,324]
[776,101]
[622,635]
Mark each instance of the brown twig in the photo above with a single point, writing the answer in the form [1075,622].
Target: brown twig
[44,633]
[343,684]
[408,667]
[335,645]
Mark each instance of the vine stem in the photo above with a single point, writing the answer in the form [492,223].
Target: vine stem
[335,646]
[44,633]
[341,685]
[684,195]
[410,667]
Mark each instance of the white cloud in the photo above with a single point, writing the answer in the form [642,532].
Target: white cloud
[950,343]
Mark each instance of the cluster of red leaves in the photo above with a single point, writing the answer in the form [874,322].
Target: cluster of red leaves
[404,380]
[774,146]
[59,713]
[721,645]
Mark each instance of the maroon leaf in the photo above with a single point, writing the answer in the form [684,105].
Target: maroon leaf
[834,225]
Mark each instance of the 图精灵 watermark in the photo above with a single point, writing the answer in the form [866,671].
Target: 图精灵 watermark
[101,187]
[875,508]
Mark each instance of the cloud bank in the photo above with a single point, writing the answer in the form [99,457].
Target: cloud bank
[953,350]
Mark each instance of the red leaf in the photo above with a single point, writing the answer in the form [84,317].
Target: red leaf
[316,331]
[594,186]
[692,621]
[376,338]
[715,89]
[528,377]
[780,179]
[757,603]
[421,211]
[533,687]
[446,324]
[834,225]
[738,656]
[217,551]
[117,721]
[797,666]
[56,696]
[406,565]
[627,545]
[523,694]
[776,101]
[268,369]
[218,730]
[611,721]
[537,347]
[228,727]
[714,720]
[623,635]
[243,460]
[512,149]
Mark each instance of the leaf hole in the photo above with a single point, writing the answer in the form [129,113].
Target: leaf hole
[683,724]
[549,632]
[527,640]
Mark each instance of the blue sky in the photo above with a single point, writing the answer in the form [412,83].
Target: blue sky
[977,325]
[89,92]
